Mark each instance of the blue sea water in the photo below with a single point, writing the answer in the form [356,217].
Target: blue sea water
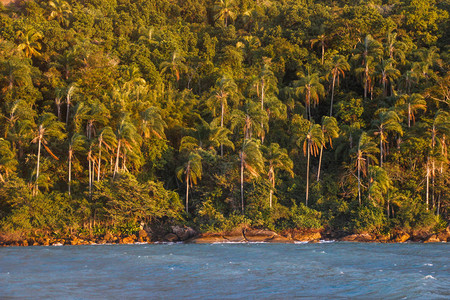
[227,271]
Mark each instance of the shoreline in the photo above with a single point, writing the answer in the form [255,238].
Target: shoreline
[186,235]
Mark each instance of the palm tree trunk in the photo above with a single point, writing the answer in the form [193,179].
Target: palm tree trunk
[332,95]
[409,114]
[242,182]
[359,180]
[90,176]
[307,174]
[323,51]
[99,158]
[67,112]
[320,163]
[221,125]
[187,187]
[428,184]
[262,110]
[70,169]
[116,166]
[37,166]
[365,83]
[381,148]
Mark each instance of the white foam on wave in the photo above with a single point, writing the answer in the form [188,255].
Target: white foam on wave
[326,241]
[429,277]
[429,265]
[300,242]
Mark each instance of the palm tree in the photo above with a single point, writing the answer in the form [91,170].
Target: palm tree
[265,83]
[108,139]
[439,130]
[321,39]
[379,189]
[193,171]
[394,49]
[152,123]
[365,154]
[411,104]
[309,85]
[28,42]
[339,66]
[251,160]
[386,72]
[367,53]
[76,143]
[48,127]
[387,121]
[71,90]
[176,66]
[277,159]
[330,131]
[8,162]
[311,142]
[15,72]
[249,121]
[61,11]
[225,10]
[128,139]
[225,89]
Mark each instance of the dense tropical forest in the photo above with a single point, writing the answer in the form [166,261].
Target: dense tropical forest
[277,114]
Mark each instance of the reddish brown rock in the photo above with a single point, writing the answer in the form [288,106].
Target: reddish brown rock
[362,237]
[401,237]
[259,235]
[129,239]
[432,239]
[279,239]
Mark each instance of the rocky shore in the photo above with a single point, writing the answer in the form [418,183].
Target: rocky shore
[239,235]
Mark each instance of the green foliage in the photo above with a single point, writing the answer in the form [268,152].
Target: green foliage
[130,105]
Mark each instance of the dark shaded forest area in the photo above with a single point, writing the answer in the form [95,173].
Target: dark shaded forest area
[213,114]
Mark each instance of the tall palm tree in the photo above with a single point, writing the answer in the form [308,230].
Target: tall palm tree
[387,121]
[252,161]
[48,127]
[225,10]
[277,159]
[311,142]
[192,170]
[394,48]
[379,188]
[366,152]
[28,42]
[226,89]
[366,54]
[321,40]
[330,131]
[76,143]
[249,121]
[309,85]
[339,66]
[266,83]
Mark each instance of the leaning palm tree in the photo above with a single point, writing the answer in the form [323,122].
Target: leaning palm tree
[48,127]
[152,123]
[330,131]
[277,159]
[311,142]
[251,160]
[192,170]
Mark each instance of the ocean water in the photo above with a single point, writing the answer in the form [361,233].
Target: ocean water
[227,271]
